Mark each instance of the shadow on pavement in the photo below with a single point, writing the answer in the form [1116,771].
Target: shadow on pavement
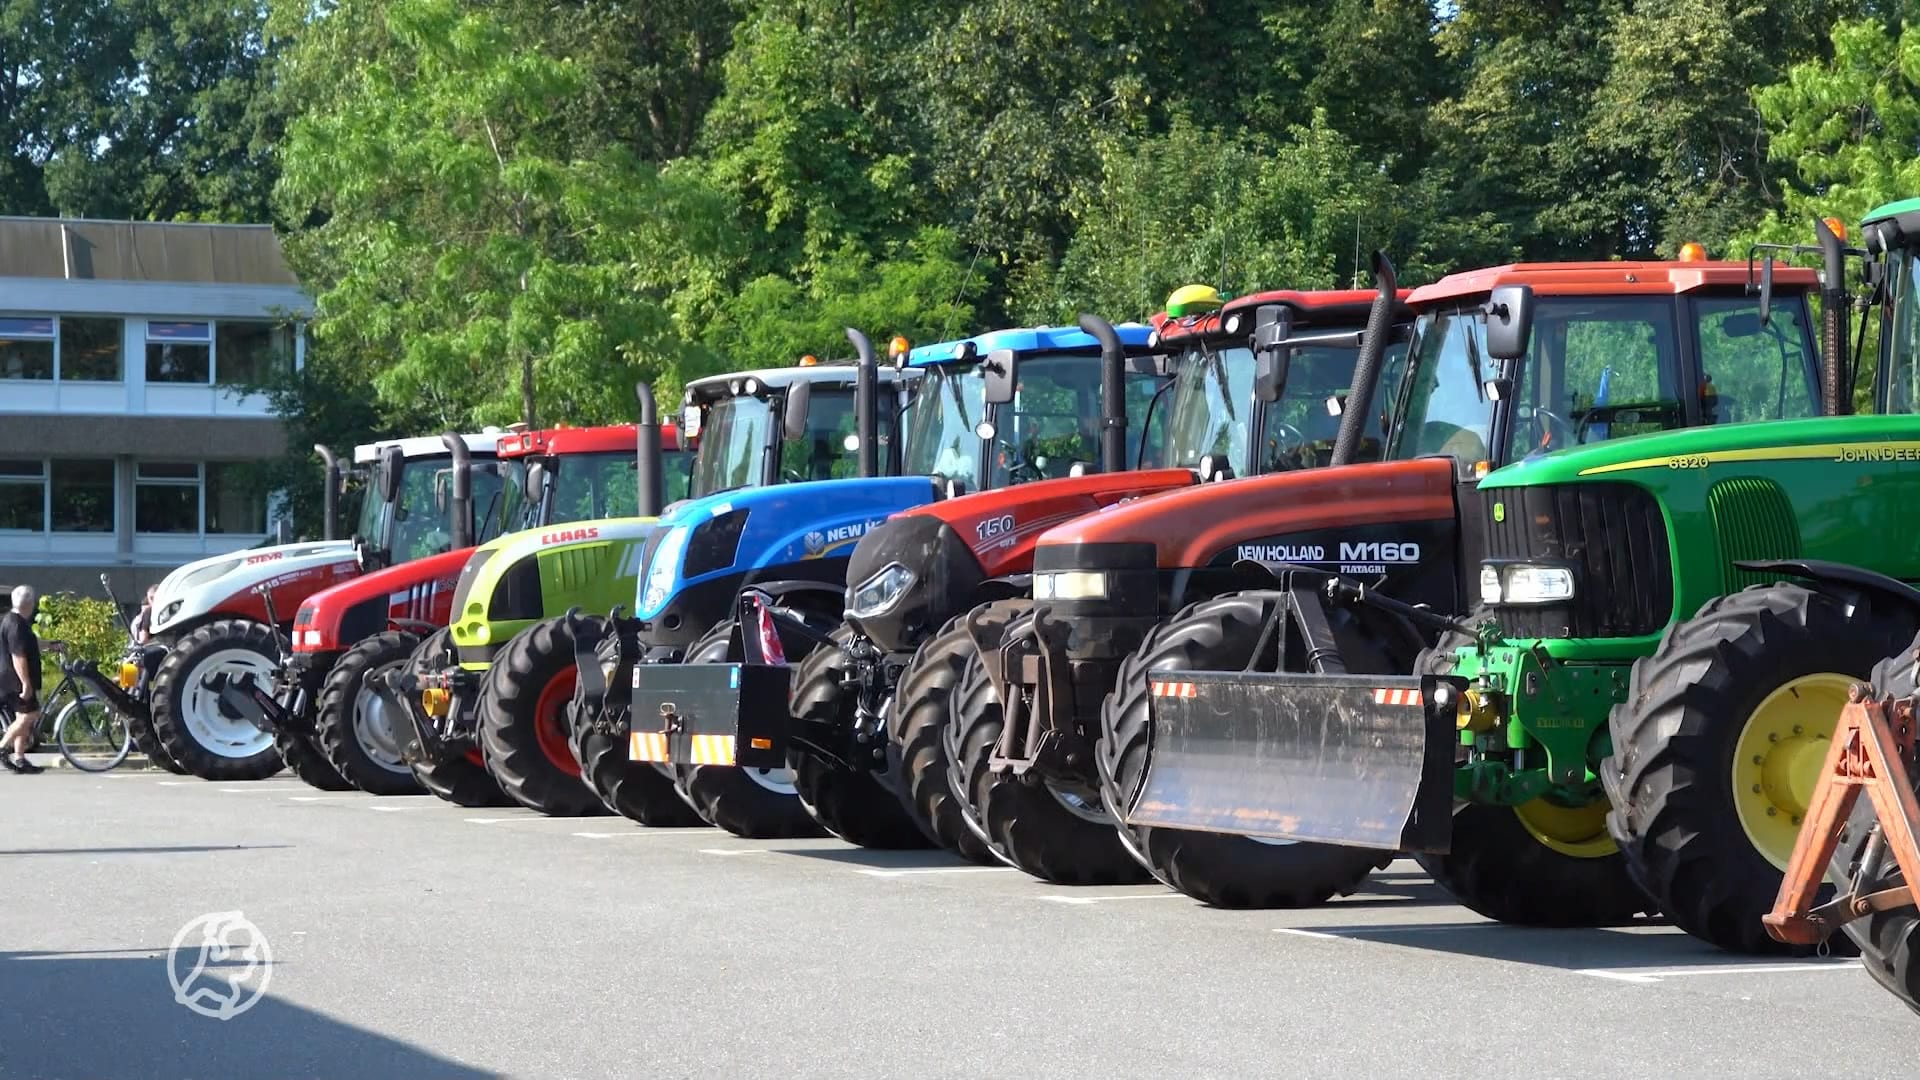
[1647,943]
[155,850]
[70,1016]
[926,858]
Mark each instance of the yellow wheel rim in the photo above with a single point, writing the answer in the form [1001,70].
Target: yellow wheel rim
[1777,760]
[1578,832]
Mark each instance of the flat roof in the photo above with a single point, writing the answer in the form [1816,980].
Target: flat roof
[80,249]
[1311,307]
[1029,340]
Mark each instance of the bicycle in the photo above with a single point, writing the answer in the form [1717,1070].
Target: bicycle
[91,735]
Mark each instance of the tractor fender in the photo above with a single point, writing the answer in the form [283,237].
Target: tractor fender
[794,589]
[1843,579]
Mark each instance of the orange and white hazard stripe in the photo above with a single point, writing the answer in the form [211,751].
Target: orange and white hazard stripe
[647,746]
[1382,696]
[1174,689]
[710,750]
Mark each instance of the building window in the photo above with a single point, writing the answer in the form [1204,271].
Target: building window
[82,496]
[166,497]
[251,353]
[179,352]
[236,498]
[26,348]
[23,496]
[90,349]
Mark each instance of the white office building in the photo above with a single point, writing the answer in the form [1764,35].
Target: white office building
[125,445]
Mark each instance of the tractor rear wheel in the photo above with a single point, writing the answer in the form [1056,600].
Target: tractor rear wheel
[523,720]
[1889,941]
[922,710]
[755,804]
[305,760]
[147,741]
[357,728]
[1718,745]
[1214,868]
[1050,830]
[855,805]
[636,790]
[198,730]
[1538,864]
[464,780]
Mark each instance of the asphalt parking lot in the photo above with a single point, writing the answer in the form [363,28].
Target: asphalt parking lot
[413,938]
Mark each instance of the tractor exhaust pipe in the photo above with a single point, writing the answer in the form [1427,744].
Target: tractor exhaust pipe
[866,403]
[647,465]
[1836,383]
[1113,393]
[330,500]
[462,510]
[1366,368]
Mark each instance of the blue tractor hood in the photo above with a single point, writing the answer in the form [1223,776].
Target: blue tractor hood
[758,531]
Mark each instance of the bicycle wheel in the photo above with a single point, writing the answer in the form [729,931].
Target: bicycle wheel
[92,736]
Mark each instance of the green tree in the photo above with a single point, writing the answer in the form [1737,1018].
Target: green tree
[471,233]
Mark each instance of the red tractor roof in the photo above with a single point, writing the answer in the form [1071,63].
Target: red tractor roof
[572,440]
[1310,308]
[1606,279]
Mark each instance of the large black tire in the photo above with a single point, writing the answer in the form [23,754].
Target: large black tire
[523,721]
[1500,868]
[922,709]
[855,805]
[1214,868]
[193,726]
[636,790]
[351,722]
[147,741]
[1676,745]
[1056,835]
[305,760]
[462,781]
[1889,941]
[749,803]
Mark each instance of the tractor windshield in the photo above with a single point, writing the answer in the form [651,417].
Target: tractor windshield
[941,441]
[417,523]
[1212,409]
[584,487]
[1900,334]
[742,432]
[1603,367]
[1054,420]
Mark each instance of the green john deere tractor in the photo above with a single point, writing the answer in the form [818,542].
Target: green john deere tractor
[1658,626]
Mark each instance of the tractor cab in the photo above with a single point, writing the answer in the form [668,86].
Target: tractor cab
[1012,406]
[580,474]
[429,495]
[1261,380]
[788,425]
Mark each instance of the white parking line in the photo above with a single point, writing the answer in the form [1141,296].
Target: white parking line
[251,789]
[538,818]
[1366,934]
[1062,898]
[1654,975]
[734,851]
[322,798]
[939,870]
[617,835]
[394,809]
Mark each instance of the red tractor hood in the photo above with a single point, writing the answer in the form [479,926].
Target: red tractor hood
[416,595]
[1002,526]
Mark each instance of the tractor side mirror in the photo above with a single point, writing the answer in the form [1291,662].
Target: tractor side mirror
[442,490]
[793,418]
[998,372]
[536,480]
[1509,321]
[387,473]
[1272,324]
[1766,291]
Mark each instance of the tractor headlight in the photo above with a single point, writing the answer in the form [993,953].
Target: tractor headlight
[1525,583]
[879,592]
[661,572]
[1070,585]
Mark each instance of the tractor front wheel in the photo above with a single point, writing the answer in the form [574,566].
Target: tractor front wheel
[1538,864]
[1889,941]
[922,709]
[755,804]
[462,781]
[199,730]
[1719,744]
[1214,868]
[359,728]
[853,804]
[1050,830]
[523,720]
[636,790]
[305,760]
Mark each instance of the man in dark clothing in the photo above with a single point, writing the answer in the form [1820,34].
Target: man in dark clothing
[20,679]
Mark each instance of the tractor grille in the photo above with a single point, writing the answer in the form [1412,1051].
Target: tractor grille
[1615,538]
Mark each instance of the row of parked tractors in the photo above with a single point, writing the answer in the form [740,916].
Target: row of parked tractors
[1555,577]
